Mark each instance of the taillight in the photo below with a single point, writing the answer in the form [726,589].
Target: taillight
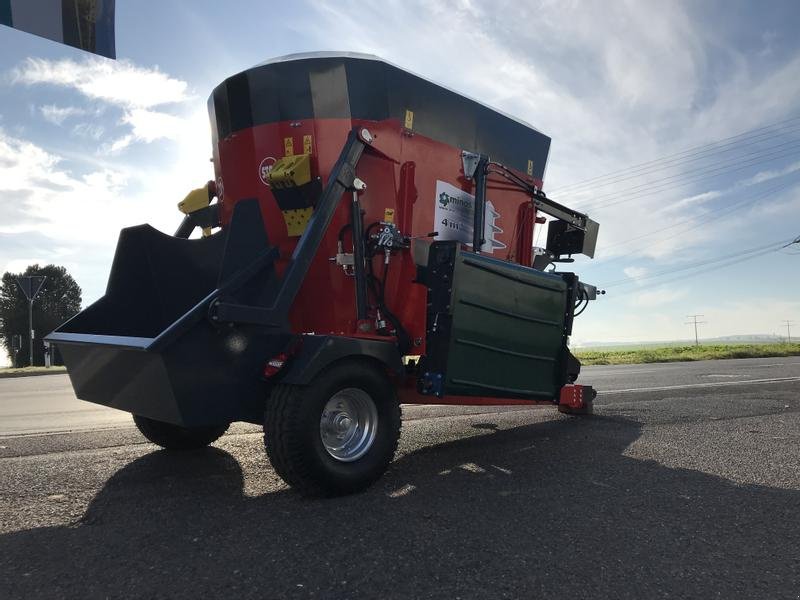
[275,364]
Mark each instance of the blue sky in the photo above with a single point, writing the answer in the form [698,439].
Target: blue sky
[88,145]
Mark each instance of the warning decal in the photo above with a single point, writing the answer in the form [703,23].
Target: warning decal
[454,217]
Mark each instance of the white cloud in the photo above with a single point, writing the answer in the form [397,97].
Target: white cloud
[58,201]
[635,272]
[696,199]
[661,296]
[75,208]
[118,82]
[764,176]
[149,125]
[89,130]
[134,90]
[58,114]
[24,162]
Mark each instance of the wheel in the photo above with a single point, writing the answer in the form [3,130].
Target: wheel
[336,435]
[174,437]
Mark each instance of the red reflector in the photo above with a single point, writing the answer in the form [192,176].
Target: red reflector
[275,364]
[572,396]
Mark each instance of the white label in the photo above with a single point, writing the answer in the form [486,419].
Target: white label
[455,215]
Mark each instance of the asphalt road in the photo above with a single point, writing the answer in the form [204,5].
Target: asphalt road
[685,484]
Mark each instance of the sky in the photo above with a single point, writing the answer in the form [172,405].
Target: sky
[693,108]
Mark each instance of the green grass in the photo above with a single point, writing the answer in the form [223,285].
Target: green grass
[681,353]
[27,371]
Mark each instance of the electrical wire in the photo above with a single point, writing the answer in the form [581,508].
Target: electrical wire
[713,214]
[717,262]
[794,241]
[693,266]
[718,267]
[687,153]
[681,180]
[691,160]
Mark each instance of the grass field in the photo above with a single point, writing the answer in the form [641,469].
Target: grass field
[680,353]
[27,371]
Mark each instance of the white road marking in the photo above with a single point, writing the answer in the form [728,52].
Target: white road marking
[587,369]
[698,385]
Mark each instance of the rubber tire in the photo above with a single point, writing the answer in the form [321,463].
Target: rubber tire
[174,437]
[292,435]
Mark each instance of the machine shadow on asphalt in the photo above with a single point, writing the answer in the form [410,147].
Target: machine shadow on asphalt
[548,507]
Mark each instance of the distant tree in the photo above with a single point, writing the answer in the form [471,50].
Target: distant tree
[58,300]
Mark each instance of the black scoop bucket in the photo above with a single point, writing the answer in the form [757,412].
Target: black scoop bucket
[149,347]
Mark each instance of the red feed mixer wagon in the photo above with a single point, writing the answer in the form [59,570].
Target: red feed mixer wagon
[367,242]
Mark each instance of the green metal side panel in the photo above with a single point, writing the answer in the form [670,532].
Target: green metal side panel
[507,331]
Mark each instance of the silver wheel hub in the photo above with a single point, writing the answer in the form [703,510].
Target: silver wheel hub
[348,424]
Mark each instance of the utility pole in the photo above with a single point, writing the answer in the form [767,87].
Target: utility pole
[788,330]
[695,322]
[30,286]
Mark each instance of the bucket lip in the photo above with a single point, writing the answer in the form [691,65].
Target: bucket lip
[121,341]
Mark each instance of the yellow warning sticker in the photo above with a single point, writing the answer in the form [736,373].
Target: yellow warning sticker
[307,144]
[409,124]
[288,146]
[530,168]
[296,220]
[388,215]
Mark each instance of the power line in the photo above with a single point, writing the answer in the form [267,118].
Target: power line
[695,222]
[701,162]
[671,165]
[743,254]
[692,151]
[684,180]
[680,180]
[717,267]
[794,241]
[653,165]
[707,216]
[695,322]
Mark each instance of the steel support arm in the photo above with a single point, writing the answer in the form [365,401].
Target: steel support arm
[559,211]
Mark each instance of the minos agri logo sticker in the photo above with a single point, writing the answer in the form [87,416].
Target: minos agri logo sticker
[454,217]
[446,200]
